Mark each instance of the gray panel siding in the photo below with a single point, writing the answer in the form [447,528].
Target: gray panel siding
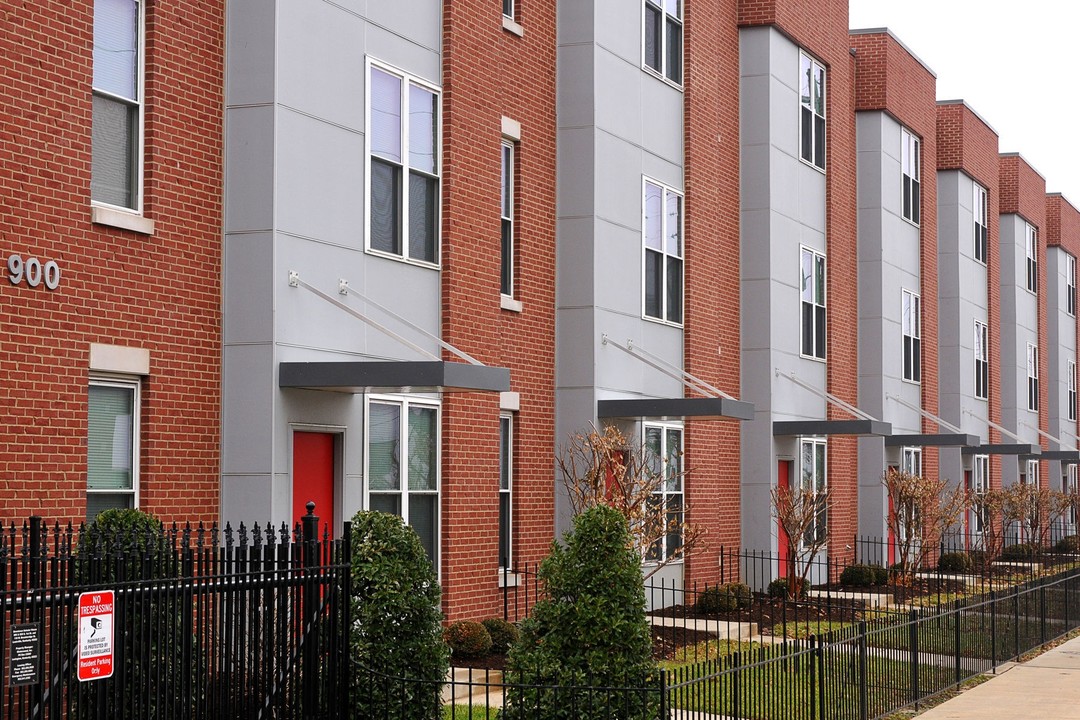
[295,197]
[1019,326]
[1061,345]
[782,207]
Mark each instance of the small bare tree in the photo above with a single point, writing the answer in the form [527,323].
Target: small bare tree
[922,509]
[1066,504]
[990,507]
[1029,507]
[802,513]
[601,468]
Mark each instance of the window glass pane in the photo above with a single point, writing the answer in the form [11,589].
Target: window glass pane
[504,453]
[113,150]
[110,438]
[819,141]
[819,332]
[116,57]
[385,115]
[423,216]
[807,280]
[807,328]
[819,90]
[807,465]
[674,460]
[673,8]
[674,290]
[385,204]
[423,446]
[654,281]
[673,240]
[384,435]
[819,280]
[654,217]
[674,520]
[805,73]
[423,111]
[653,42]
[506,270]
[654,440]
[387,503]
[674,52]
[424,519]
[507,181]
[807,129]
[504,529]
[508,8]
[97,503]
[819,466]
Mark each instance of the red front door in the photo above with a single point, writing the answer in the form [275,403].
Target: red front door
[313,476]
[783,479]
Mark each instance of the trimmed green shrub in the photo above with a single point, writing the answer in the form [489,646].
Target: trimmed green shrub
[724,598]
[1021,552]
[467,639]
[881,575]
[1069,545]
[503,634]
[590,631]
[396,621]
[955,562]
[858,575]
[154,652]
[778,588]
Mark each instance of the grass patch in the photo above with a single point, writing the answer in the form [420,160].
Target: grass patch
[465,712]
[807,628]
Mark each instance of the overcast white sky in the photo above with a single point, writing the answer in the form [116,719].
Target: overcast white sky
[1017,64]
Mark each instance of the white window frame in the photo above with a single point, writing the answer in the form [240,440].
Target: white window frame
[1031,473]
[982,360]
[1070,373]
[808,62]
[1071,475]
[820,310]
[1070,285]
[1031,267]
[139,152]
[981,226]
[910,169]
[133,384]
[507,213]
[404,403]
[980,483]
[509,8]
[665,256]
[407,80]
[1032,377]
[506,488]
[911,460]
[666,17]
[911,329]
[819,485]
[665,459]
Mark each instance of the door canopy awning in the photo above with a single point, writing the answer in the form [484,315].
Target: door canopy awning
[716,403]
[862,425]
[362,376]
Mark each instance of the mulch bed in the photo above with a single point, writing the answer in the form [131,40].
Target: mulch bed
[666,642]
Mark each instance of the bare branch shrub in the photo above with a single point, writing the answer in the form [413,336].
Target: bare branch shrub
[601,468]
[922,510]
[802,513]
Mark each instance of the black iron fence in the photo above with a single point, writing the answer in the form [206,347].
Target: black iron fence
[859,670]
[184,623]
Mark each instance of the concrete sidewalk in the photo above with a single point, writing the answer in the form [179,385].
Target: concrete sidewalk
[1046,687]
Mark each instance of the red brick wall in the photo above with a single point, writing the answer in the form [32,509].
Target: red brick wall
[1063,230]
[489,73]
[966,143]
[160,292]
[711,335]
[889,79]
[1023,192]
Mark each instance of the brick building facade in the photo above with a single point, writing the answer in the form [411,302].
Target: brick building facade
[110,174]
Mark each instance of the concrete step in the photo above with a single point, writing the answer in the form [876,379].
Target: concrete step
[870,599]
[723,629]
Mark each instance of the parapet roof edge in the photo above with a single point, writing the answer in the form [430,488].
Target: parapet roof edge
[973,111]
[890,33]
[1017,154]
